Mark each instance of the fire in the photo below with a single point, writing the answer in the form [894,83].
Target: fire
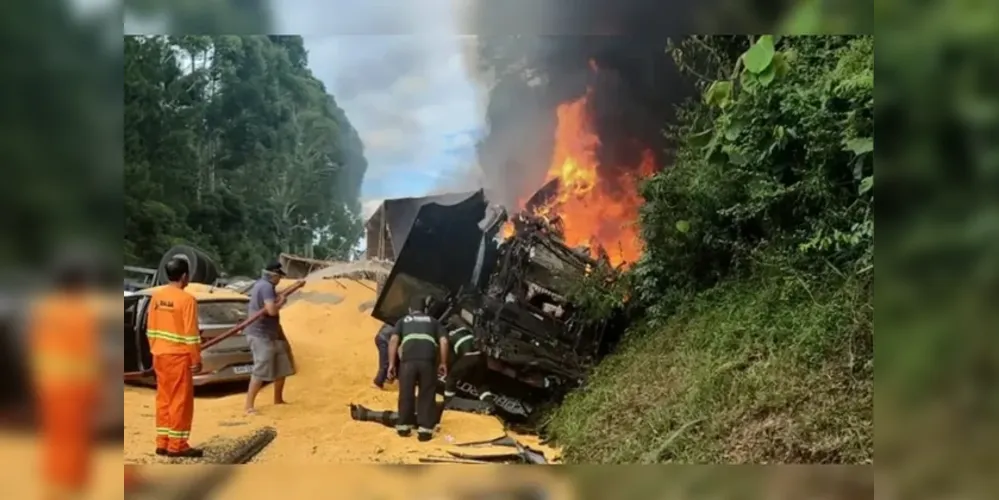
[598,207]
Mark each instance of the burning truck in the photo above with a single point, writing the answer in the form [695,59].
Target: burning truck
[512,289]
[511,277]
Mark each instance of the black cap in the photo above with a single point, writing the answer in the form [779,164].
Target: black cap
[275,267]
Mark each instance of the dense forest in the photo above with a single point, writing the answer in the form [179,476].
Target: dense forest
[755,291]
[233,145]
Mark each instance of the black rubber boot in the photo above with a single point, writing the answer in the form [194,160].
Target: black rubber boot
[188,453]
[161,452]
[424,436]
[404,432]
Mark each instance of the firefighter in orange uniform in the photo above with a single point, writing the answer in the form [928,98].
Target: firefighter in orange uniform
[174,340]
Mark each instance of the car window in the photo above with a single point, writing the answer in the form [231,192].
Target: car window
[222,312]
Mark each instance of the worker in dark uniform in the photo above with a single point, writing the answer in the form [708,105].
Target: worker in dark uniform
[469,363]
[421,344]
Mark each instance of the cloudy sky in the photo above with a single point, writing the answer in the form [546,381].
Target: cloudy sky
[397,70]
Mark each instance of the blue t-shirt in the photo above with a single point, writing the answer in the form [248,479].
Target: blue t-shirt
[267,326]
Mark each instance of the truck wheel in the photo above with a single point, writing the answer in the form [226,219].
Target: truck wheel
[202,268]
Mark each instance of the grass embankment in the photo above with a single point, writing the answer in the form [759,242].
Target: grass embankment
[775,369]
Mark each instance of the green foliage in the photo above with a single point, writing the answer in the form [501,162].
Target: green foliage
[233,145]
[775,169]
[757,273]
[600,292]
[773,369]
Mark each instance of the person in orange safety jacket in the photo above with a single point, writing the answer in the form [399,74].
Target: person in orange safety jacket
[174,340]
[64,333]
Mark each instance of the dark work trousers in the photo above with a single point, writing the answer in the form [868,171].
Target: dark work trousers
[417,396]
[470,369]
[383,362]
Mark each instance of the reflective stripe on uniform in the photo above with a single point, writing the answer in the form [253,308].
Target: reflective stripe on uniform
[166,431]
[424,430]
[404,427]
[65,366]
[173,337]
[461,341]
[449,394]
[416,336]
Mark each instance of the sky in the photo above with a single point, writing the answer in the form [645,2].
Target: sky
[397,70]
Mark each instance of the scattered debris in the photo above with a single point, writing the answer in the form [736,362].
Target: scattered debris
[450,460]
[504,440]
[502,456]
[489,450]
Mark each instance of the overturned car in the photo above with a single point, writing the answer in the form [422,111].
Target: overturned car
[513,291]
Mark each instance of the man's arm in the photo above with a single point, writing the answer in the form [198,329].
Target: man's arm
[395,336]
[445,347]
[190,327]
[393,350]
[272,302]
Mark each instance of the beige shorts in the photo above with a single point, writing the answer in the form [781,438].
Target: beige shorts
[271,359]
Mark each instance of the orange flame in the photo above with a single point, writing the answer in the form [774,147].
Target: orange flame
[598,207]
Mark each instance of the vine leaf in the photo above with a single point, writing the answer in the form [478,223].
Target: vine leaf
[860,145]
[701,139]
[768,75]
[718,92]
[760,55]
[866,184]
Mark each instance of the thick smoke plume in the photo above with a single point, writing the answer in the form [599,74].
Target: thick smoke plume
[532,55]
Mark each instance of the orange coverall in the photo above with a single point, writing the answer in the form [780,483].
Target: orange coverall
[174,340]
[65,355]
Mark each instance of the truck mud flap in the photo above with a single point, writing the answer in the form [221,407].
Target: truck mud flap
[470,406]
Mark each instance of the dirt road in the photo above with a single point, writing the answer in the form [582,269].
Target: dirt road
[333,342]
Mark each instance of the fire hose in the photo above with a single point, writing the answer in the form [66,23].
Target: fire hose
[233,331]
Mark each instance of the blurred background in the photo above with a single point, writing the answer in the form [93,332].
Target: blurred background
[937,116]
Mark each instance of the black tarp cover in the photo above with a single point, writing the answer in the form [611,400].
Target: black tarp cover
[437,254]
[400,213]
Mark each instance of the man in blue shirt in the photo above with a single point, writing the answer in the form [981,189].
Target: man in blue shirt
[271,359]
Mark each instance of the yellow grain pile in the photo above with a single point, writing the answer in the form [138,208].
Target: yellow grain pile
[333,343]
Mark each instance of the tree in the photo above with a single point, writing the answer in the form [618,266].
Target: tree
[233,145]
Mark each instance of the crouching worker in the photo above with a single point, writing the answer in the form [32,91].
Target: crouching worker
[469,364]
[420,344]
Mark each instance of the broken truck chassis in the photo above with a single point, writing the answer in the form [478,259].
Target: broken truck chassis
[514,292]
[529,329]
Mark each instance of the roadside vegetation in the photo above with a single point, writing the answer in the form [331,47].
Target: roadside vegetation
[233,145]
[756,342]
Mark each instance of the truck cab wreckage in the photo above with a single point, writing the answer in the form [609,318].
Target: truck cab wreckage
[513,289]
